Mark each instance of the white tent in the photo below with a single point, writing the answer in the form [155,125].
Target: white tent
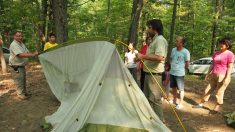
[96,91]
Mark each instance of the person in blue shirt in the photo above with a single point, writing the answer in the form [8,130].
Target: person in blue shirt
[180,59]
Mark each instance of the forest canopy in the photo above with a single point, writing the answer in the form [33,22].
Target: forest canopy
[202,22]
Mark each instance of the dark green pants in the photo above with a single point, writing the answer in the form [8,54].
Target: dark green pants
[153,93]
[19,77]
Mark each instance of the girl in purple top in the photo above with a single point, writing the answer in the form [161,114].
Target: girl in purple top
[219,74]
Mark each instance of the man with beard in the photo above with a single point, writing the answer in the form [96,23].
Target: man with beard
[155,62]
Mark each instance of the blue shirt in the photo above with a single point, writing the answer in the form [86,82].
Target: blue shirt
[178,59]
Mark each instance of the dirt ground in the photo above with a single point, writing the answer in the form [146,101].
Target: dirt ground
[26,115]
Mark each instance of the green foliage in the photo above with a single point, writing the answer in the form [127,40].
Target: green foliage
[231,119]
[89,18]
[46,127]
[18,15]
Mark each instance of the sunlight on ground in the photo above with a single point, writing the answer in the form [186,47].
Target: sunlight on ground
[4,90]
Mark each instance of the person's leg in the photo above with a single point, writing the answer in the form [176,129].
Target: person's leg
[180,84]
[155,95]
[181,96]
[142,77]
[146,86]
[208,91]
[134,74]
[19,77]
[167,89]
[22,82]
[131,71]
[221,87]
[173,85]
[174,92]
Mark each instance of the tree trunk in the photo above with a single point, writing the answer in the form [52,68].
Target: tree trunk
[135,16]
[3,63]
[40,27]
[1,7]
[43,28]
[193,35]
[108,18]
[217,10]
[60,18]
[50,25]
[172,29]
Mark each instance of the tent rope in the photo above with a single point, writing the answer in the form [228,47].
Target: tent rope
[164,93]
[174,110]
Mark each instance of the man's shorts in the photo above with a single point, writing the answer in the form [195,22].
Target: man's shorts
[177,82]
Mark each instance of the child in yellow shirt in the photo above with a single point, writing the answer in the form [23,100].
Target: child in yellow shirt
[51,43]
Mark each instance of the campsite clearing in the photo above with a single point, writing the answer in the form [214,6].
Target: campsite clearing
[26,115]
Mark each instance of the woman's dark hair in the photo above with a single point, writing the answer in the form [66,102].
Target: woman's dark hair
[148,38]
[226,41]
[156,24]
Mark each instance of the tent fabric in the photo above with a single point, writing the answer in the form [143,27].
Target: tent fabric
[95,88]
[108,128]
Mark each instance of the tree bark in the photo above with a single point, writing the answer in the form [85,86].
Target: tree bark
[108,17]
[217,10]
[135,17]
[3,63]
[41,26]
[60,18]
[172,31]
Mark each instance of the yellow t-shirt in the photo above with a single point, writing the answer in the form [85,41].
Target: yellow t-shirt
[49,45]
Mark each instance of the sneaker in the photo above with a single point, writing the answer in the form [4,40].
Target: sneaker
[179,106]
[197,106]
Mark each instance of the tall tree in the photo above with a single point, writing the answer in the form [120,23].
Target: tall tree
[43,19]
[135,16]
[217,9]
[172,28]
[41,26]
[2,60]
[60,19]
[108,17]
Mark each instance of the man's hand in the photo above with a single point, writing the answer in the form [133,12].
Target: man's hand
[140,56]
[163,58]
[35,53]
